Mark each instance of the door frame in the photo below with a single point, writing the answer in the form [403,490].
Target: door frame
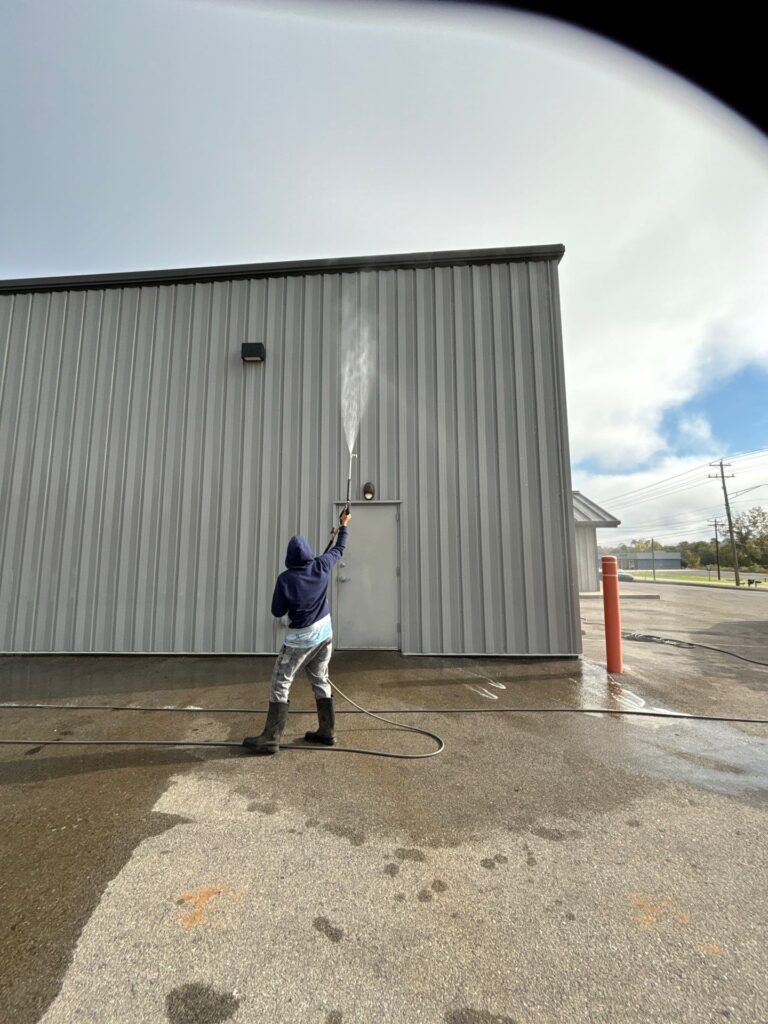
[337,507]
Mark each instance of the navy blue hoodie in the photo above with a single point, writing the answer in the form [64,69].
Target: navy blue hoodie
[302,589]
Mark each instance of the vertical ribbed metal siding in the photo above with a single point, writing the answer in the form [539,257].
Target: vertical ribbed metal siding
[586,559]
[151,479]
[484,463]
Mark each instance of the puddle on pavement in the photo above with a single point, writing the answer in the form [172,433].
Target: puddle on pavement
[712,755]
[483,684]
[596,688]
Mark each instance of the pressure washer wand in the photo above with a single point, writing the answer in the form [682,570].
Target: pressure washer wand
[345,510]
[349,481]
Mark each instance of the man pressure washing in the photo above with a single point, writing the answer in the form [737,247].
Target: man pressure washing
[302,593]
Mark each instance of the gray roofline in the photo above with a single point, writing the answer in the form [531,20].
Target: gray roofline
[186,275]
[599,524]
[605,519]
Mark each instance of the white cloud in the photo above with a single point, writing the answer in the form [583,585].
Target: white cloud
[692,429]
[680,301]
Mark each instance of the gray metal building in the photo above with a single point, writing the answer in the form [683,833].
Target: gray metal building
[589,517]
[152,478]
[648,560]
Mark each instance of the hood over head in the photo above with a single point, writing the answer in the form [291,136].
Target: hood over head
[299,552]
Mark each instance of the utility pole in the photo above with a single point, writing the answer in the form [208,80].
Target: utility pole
[653,561]
[716,523]
[728,516]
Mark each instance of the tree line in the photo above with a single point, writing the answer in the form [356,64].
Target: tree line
[750,531]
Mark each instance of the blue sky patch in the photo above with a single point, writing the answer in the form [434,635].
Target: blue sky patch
[736,410]
[729,417]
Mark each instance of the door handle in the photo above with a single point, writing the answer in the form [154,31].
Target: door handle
[344,579]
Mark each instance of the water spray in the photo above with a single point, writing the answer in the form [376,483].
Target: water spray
[356,366]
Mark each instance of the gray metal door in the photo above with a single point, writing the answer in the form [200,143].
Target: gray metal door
[367,590]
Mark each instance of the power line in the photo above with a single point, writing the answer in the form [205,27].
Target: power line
[749,455]
[681,485]
[681,535]
[681,520]
[735,494]
[646,487]
[658,495]
[697,531]
[676,531]
[678,537]
[684,519]
[757,453]
[672,535]
[624,506]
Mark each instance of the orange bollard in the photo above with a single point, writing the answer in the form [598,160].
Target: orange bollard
[612,613]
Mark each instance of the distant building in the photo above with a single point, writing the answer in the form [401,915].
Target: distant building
[588,518]
[647,560]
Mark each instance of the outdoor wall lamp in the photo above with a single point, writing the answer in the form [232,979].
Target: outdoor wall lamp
[252,352]
[368,492]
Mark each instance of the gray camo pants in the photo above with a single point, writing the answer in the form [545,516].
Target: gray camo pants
[290,660]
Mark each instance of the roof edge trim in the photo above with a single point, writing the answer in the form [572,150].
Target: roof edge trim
[228,272]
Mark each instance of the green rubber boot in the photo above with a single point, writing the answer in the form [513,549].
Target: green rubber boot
[269,741]
[327,720]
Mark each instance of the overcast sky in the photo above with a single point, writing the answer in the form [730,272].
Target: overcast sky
[140,134]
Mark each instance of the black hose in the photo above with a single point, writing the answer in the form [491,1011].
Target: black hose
[397,725]
[351,750]
[360,710]
[124,743]
[651,638]
[387,711]
[227,743]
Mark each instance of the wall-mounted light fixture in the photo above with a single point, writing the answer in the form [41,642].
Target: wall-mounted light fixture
[368,492]
[252,352]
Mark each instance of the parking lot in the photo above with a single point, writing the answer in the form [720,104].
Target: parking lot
[546,867]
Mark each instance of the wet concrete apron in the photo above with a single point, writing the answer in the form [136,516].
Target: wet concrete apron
[543,868]
[68,826]
[71,817]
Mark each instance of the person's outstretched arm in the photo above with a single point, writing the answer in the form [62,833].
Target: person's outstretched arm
[329,560]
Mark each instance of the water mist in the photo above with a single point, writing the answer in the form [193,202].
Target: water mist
[356,367]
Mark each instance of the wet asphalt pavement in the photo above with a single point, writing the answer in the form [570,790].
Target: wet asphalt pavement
[543,868]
